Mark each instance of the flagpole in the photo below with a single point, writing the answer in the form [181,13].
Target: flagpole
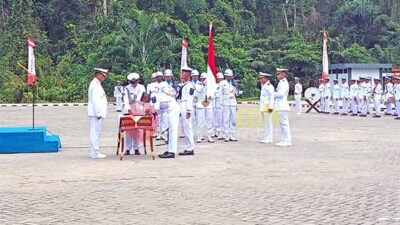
[33,106]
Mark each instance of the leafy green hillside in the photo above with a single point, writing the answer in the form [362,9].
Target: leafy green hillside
[145,35]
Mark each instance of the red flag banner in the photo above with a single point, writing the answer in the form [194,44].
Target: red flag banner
[31,62]
[211,80]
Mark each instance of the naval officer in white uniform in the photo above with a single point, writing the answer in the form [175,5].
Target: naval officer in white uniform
[97,111]
[298,90]
[267,105]
[282,106]
[185,99]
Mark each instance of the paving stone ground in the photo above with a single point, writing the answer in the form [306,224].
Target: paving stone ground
[339,170]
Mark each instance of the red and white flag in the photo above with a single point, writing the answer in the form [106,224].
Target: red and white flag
[325,62]
[184,53]
[31,62]
[211,68]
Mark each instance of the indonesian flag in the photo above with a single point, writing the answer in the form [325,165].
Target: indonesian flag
[325,63]
[211,69]
[184,53]
[31,62]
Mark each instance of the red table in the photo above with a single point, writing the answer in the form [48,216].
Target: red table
[145,123]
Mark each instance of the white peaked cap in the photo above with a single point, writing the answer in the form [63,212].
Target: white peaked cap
[220,75]
[101,70]
[203,76]
[168,73]
[194,73]
[281,70]
[133,76]
[261,74]
[186,68]
[228,72]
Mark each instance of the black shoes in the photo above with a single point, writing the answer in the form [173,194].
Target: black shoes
[128,152]
[187,152]
[376,116]
[335,113]
[167,155]
[344,114]
[353,114]
[363,115]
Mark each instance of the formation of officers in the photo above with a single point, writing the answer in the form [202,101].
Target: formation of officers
[190,102]
[357,98]
[187,103]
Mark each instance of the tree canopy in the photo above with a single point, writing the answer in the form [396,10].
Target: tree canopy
[145,36]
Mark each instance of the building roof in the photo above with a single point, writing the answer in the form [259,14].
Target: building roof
[359,66]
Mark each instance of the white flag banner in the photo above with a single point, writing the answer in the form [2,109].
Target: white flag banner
[184,54]
[31,62]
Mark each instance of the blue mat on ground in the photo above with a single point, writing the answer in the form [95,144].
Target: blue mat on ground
[28,140]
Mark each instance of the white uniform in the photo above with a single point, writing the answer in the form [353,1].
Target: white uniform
[164,102]
[345,95]
[162,118]
[354,97]
[118,90]
[327,97]
[228,92]
[97,107]
[377,91]
[267,99]
[298,90]
[218,111]
[368,92]
[397,98]
[362,96]
[198,86]
[132,96]
[282,106]
[322,101]
[388,94]
[185,100]
[205,115]
[336,97]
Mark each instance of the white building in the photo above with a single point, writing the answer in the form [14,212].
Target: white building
[355,70]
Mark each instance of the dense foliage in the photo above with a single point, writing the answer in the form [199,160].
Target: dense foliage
[145,35]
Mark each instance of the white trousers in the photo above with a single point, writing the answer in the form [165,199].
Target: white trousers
[173,128]
[218,119]
[297,99]
[187,130]
[345,106]
[162,122]
[268,129]
[322,104]
[96,125]
[389,108]
[194,115]
[364,106]
[353,106]
[336,105]
[285,128]
[229,117]
[205,118]
[377,106]
[397,107]
[369,104]
[118,101]
[132,140]
[327,105]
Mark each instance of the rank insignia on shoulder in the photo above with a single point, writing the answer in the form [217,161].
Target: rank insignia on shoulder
[191,91]
[153,99]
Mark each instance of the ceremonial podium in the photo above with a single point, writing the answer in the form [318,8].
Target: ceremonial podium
[140,123]
[28,140]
